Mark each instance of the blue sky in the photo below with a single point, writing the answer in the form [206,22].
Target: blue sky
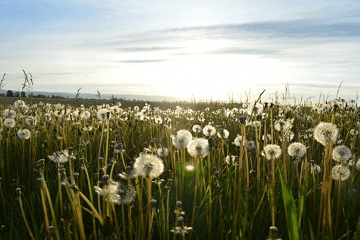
[200,49]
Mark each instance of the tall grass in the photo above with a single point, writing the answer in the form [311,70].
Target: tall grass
[75,178]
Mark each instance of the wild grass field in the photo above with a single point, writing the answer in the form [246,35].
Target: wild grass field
[255,170]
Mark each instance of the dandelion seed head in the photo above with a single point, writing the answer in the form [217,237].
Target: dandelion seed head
[255,109]
[158,120]
[61,156]
[209,130]
[181,230]
[231,159]
[223,133]
[341,172]
[326,133]
[19,103]
[341,153]
[198,147]
[237,140]
[162,152]
[30,121]
[357,164]
[9,113]
[181,139]
[288,136]
[250,144]
[148,166]
[283,125]
[9,123]
[297,150]
[271,152]
[23,133]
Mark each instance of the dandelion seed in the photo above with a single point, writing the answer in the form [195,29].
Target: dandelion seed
[198,147]
[341,173]
[148,166]
[341,153]
[326,133]
[9,123]
[271,152]
[297,150]
[23,133]
[182,139]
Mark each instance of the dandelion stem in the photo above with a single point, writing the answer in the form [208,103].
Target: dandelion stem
[24,217]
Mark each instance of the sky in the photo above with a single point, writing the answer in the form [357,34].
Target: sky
[202,50]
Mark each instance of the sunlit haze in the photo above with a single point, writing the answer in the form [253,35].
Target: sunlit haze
[192,49]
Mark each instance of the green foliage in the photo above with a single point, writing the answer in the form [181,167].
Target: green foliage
[292,213]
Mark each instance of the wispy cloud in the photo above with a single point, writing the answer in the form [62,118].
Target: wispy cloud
[147,49]
[143,61]
[245,51]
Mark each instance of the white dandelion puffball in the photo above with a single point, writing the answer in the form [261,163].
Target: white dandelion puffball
[148,166]
[231,159]
[9,113]
[297,150]
[341,173]
[271,151]
[237,140]
[182,138]
[326,133]
[223,133]
[196,129]
[198,147]
[61,156]
[341,153]
[209,131]
[162,152]
[23,133]
[9,123]
[283,125]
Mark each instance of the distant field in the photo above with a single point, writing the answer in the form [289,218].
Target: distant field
[124,103]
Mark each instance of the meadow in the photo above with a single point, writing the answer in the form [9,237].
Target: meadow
[250,170]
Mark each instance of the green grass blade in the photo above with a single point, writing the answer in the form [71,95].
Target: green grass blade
[291,212]
[302,199]
[312,235]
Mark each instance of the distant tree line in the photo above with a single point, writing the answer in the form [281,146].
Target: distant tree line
[11,93]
